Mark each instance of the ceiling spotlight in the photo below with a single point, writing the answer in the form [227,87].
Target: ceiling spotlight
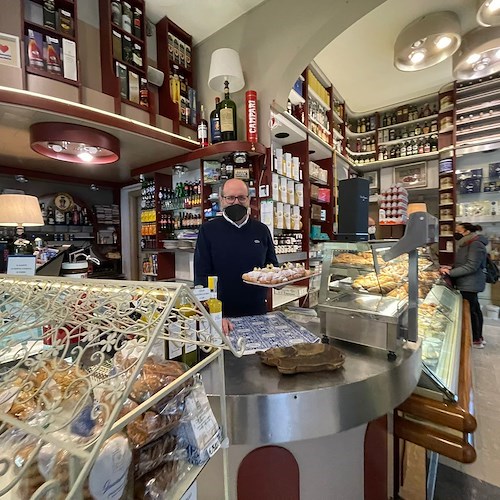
[478,54]
[92,150]
[85,156]
[437,37]
[21,179]
[473,58]
[57,148]
[488,12]
[443,42]
[417,57]
[93,187]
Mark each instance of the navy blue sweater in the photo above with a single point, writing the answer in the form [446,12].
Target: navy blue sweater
[227,251]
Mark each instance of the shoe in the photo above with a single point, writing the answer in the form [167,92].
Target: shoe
[477,344]
[483,341]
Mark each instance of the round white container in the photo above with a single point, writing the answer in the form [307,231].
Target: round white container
[75,269]
[491,311]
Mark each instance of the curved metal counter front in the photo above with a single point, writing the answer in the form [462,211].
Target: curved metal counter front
[265,407]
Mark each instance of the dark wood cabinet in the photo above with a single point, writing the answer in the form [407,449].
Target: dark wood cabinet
[177,97]
[50,31]
[124,59]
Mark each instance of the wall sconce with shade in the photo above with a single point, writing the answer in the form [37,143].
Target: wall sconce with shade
[20,211]
[427,41]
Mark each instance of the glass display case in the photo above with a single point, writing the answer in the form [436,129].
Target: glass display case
[359,301]
[363,298]
[439,327]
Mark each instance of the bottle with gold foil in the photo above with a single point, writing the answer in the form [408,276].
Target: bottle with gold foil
[215,309]
[187,326]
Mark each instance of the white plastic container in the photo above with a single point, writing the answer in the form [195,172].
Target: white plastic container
[491,311]
[75,269]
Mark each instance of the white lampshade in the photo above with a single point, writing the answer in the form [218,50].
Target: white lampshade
[20,210]
[225,65]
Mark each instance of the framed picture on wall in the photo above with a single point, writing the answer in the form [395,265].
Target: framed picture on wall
[9,50]
[411,176]
[373,178]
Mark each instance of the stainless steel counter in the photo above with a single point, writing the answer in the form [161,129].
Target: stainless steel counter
[264,407]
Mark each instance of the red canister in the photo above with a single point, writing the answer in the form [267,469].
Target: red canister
[251,115]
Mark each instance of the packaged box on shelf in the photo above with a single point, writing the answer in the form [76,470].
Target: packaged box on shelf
[323,174]
[297,86]
[314,169]
[324,194]
[299,194]
[315,212]
[288,164]
[315,232]
[314,192]
[296,168]
[291,191]
[295,218]
[278,161]
[278,216]
[283,190]
[287,212]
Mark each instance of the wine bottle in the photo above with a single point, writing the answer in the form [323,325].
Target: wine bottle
[215,135]
[227,113]
[203,129]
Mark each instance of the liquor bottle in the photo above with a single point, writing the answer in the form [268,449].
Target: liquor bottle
[44,212]
[215,135]
[203,129]
[59,216]
[227,113]
[75,220]
[214,306]
[49,14]
[144,93]
[50,216]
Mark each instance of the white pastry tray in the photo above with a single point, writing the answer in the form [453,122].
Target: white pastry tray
[279,285]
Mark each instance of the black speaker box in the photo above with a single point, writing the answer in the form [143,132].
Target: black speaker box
[354,195]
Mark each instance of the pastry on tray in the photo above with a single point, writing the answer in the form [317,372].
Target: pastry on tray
[271,275]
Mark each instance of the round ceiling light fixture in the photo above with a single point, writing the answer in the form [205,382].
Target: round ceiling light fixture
[488,12]
[478,54]
[74,143]
[427,41]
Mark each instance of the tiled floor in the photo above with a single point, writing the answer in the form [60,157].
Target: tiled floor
[486,373]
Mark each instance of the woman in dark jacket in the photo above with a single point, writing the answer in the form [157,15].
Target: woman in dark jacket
[468,274]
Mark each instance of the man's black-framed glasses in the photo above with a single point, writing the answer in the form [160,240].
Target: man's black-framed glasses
[232,199]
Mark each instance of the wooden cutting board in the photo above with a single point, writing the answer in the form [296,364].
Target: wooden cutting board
[304,357]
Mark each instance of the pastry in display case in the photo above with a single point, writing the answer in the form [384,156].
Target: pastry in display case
[439,327]
[370,290]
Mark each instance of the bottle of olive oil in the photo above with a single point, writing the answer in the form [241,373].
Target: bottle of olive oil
[189,351]
[215,309]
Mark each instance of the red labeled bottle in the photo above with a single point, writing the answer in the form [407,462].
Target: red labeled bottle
[251,115]
[203,129]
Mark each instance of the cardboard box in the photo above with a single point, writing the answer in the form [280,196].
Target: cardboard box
[287,212]
[314,192]
[53,55]
[288,164]
[121,73]
[291,191]
[117,44]
[296,168]
[324,194]
[283,196]
[278,216]
[278,161]
[315,212]
[69,59]
[299,194]
[133,87]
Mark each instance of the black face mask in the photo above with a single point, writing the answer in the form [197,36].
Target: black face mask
[235,212]
[458,236]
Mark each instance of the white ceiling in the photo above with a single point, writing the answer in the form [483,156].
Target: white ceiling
[359,62]
[199,18]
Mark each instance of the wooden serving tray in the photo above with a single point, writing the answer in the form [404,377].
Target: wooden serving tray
[303,357]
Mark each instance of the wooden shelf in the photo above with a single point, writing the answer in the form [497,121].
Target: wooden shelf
[126,33]
[410,122]
[46,30]
[131,67]
[350,133]
[53,76]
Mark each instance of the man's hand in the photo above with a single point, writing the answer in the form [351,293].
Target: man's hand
[227,326]
[444,270]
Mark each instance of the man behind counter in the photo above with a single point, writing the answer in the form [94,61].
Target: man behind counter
[230,246]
